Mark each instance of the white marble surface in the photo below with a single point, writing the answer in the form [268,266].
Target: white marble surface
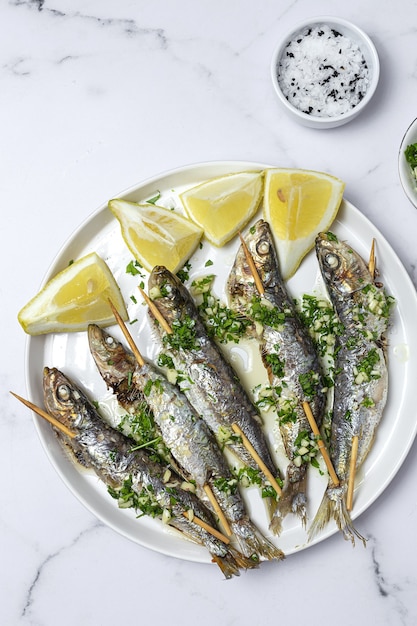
[96,96]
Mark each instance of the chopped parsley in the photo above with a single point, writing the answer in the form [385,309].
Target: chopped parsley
[411,155]
[152,384]
[202,285]
[309,382]
[144,501]
[154,199]
[306,449]
[134,268]
[184,273]
[377,301]
[275,364]
[366,368]
[226,485]
[164,360]
[221,323]
[183,335]
[248,476]
[266,314]
[321,321]
[141,427]
[287,410]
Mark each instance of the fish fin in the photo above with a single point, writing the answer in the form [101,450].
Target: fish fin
[244,562]
[293,499]
[333,506]
[271,505]
[252,543]
[227,564]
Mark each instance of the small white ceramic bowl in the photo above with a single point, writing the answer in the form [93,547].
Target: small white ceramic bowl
[407,179]
[348,31]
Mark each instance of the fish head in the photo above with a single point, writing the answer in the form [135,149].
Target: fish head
[241,284]
[262,249]
[343,270]
[167,293]
[113,361]
[63,400]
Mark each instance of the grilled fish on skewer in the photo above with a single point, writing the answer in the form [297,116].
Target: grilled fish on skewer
[361,375]
[187,436]
[154,489]
[288,354]
[210,383]
[116,367]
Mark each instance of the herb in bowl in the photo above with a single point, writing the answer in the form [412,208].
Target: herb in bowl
[411,158]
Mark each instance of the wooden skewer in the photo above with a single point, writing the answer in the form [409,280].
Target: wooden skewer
[320,444]
[252,266]
[352,472]
[46,416]
[156,312]
[372,261]
[257,458]
[208,528]
[216,507]
[127,335]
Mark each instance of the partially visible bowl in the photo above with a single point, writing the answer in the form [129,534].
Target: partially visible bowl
[315,93]
[407,178]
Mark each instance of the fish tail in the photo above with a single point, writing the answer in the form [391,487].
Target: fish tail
[233,561]
[293,499]
[271,505]
[333,506]
[252,543]
[227,564]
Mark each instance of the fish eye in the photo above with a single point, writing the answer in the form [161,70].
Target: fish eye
[263,247]
[332,260]
[110,341]
[63,393]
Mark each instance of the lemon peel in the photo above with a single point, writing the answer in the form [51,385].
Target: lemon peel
[298,204]
[73,298]
[223,205]
[155,235]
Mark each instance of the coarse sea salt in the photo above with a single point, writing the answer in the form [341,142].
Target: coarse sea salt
[322,72]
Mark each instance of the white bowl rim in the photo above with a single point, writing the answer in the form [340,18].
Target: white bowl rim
[403,167]
[361,35]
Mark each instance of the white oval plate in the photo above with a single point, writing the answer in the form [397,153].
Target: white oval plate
[70,353]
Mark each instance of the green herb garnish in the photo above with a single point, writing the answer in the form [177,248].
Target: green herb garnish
[154,199]
[411,155]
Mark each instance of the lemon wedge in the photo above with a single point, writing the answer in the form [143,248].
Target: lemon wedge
[156,236]
[77,296]
[224,205]
[298,204]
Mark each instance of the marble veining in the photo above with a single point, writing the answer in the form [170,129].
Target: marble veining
[127,26]
[96,96]
[48,560]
